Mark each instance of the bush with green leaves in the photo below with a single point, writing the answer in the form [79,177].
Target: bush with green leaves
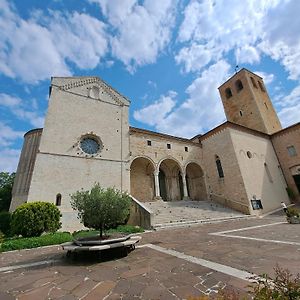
[34,242]
[5,220]
[292,212]
[34,218]
[100,208]
[284,286]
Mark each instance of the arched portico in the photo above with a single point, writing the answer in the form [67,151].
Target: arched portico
[170,180]
[142,179]
[195,181]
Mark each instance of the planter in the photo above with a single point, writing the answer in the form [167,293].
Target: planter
[125,244]
[293,220]
[95,240]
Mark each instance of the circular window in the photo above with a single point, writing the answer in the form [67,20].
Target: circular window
[249,154]
[90,145]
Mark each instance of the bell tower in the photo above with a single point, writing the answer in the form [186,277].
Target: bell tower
[246,102]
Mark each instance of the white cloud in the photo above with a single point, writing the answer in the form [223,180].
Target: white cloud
[141,30]
[202,110]
[211,29]
[215,28]
[9,160]
[288,107]
[194,57]
[20,110]
[8,135]
[247,54]
[267,77]
[39,47]
[289,115]
[282,36]
[157,111]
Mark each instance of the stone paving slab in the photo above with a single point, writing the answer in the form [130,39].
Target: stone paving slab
[149,274]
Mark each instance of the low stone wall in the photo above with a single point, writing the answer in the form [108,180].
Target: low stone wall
[243,208]
[140,215]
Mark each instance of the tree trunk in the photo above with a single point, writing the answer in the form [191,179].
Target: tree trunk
[101,231]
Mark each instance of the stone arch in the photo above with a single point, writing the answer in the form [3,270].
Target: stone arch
[195,180]
[170,158]
[170,181]
[142,178]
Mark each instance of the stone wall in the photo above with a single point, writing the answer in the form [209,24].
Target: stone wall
[290,164]
[260,169]
[250,106]
[61,165]
[230,189]
[25,168]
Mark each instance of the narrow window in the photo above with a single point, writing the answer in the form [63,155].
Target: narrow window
[219,167]
[238,85]
[268,173]
[228,93]
[169,146]
[292,150]
[266,105]
[186,149]
[58,200]
[149,143]
[261,86]
[241,113]
[253,82]
[249,154]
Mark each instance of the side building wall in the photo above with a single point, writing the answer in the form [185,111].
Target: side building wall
[228,190]
[25,168]
[290,163]
[260,170]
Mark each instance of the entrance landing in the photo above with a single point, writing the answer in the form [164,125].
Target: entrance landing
[181,213]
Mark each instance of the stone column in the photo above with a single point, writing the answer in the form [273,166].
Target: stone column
[185,191]
[156,184]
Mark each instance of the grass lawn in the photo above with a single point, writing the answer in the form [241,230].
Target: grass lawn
[18,243]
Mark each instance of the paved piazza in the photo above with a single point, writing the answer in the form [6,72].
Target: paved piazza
[168,264]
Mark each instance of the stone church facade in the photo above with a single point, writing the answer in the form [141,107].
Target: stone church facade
[245,163]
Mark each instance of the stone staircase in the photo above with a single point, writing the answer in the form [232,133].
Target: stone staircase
[184,213]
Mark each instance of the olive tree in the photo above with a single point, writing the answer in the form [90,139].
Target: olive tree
[101,208]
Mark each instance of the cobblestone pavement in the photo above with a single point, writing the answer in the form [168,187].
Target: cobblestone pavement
[147,273]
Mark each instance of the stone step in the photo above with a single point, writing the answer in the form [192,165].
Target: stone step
[178,224]
[171,214]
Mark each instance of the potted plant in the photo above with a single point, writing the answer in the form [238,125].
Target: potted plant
[101,209]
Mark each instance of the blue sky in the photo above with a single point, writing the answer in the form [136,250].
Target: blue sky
[168,57]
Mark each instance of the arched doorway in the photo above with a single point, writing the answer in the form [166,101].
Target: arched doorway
[169,180]
[195,182]
[142,179]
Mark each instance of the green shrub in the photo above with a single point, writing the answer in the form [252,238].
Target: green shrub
[101,208]
[128,229]
[284,286]
[1,237]
[33,242]
[292,212]
[5,221]
[32,219]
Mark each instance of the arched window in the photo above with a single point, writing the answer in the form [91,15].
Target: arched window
[58,200]
[261,86]
[238,85]
[219,167]
[228,93]
[253,82]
